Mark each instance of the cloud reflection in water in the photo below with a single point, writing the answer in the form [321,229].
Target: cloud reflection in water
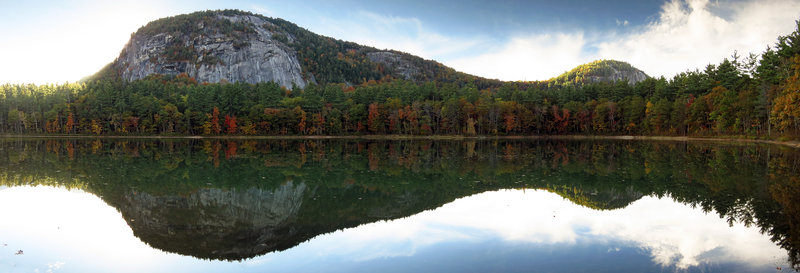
[73,231]
[673,234]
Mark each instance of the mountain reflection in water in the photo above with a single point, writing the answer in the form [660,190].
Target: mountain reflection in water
[235,200]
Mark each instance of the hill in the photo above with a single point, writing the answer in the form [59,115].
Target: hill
[601,71]
[238,46]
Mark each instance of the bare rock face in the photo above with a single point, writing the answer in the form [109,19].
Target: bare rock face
[396,63]
[210,53]
[620,74]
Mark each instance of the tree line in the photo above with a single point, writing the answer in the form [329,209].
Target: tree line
[756,95]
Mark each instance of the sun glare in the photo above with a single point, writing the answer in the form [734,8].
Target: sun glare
[73,43]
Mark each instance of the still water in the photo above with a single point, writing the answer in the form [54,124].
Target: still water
[397,206]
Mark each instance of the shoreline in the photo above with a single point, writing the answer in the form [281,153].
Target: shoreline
[793,144]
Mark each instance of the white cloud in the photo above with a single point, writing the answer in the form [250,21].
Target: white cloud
[407,34]
[529,57]
[535,57]
[685,35]
[692,34]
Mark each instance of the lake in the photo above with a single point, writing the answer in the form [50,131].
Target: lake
[216,205]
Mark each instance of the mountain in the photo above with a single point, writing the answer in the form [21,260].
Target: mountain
[238,46]
[600,71]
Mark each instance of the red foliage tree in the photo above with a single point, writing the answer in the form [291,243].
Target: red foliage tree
[560,119]
[230,124]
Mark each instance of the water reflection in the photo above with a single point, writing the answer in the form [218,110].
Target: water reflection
[510,230]
[596,201]
[55,227]
[673,235]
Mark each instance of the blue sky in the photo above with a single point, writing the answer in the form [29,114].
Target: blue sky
[58,41]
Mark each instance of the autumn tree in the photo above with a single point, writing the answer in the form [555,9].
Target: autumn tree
[786,110]
[214,121]
[230,124]
[301,119]
[70,123]
[374,122]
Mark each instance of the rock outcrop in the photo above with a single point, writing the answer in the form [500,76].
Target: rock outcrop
[235,48]
[398,64]
[619,74]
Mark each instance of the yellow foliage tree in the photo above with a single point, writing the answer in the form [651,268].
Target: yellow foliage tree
[95,127]
[786,108]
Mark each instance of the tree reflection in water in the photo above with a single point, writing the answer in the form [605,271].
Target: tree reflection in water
[237,199]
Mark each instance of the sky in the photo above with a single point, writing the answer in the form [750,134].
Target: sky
[64,41]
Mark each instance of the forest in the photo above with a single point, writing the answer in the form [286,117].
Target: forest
[752,96]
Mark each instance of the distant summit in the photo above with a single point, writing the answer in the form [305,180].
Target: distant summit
[600,71]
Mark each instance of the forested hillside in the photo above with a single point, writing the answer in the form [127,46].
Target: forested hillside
[600,71]
[238,46]
[740,96]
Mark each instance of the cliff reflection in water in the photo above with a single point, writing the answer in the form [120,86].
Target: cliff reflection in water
[231,200]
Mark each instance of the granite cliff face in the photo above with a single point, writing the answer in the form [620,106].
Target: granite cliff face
[236,46]
[618,74]
[212,52]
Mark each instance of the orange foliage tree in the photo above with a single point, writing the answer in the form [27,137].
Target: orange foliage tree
[373,118]
[70,123]
[215,127]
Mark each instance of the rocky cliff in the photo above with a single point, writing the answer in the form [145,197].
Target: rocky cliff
[237,46]
[215,48]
